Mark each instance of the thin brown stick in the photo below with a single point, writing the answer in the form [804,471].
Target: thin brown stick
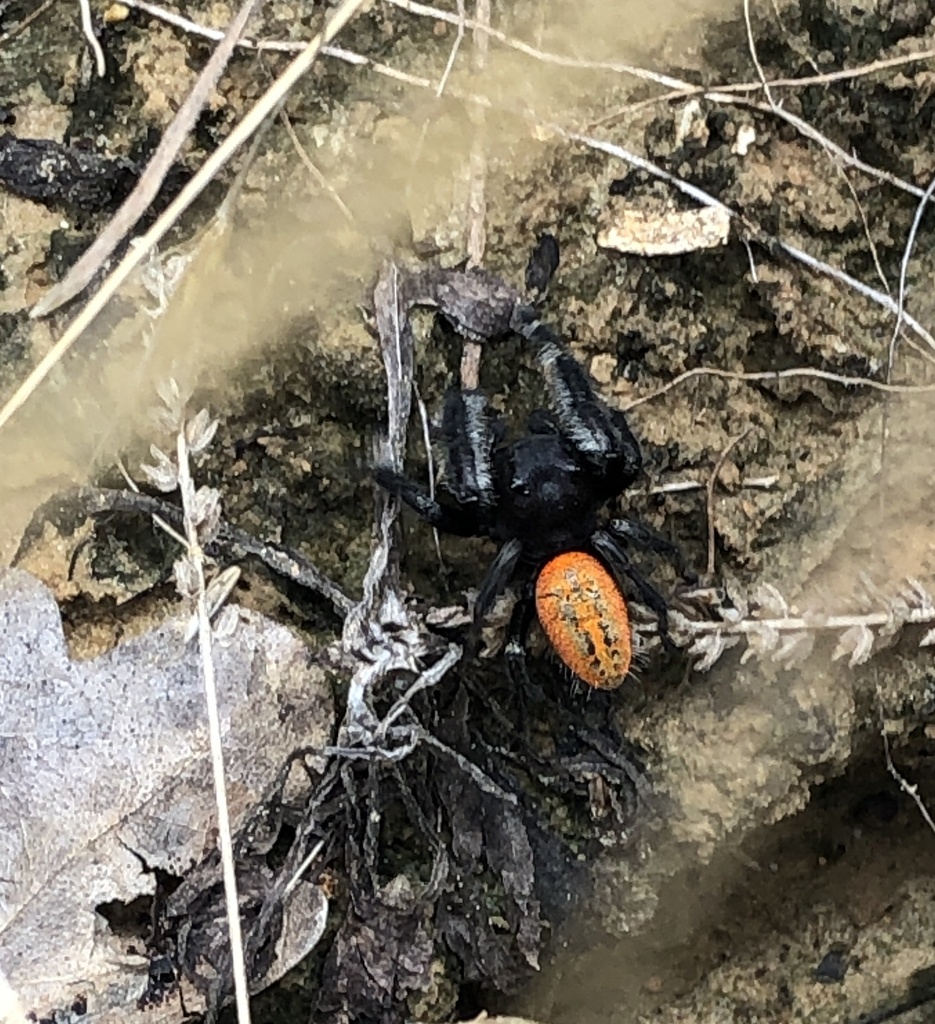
[241,133]
[863,219]
[709,497]
[453,52]
[910,789]
[21,26]
[147,188]
[307,162]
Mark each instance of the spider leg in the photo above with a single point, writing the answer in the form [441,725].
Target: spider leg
[611,550]
[541,421]
[514,651]
[598,433]
[469,432]
[462,522]
[630,530]
[498,578]
[469,429]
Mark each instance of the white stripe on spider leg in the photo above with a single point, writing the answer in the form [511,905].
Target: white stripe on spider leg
[586,439]
[477,428]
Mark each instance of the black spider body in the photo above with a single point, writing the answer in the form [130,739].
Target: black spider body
[542,500]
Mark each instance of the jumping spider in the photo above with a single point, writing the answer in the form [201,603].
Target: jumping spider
[541,499]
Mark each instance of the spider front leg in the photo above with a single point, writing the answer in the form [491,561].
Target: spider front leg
[468,430]
[448,518]
[598,433]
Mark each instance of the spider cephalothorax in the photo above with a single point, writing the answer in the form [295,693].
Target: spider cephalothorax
[540,498]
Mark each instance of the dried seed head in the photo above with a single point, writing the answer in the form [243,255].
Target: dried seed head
[200,431]
[205,513]
[173,412]
[855,644]
[162,473]
[186,576]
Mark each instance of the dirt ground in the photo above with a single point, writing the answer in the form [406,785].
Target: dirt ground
[781,873]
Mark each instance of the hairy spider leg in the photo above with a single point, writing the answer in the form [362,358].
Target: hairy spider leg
[598,433]
[453,519]
[514,651]
[613,553]
[495,582]
[635,532]
[469,431]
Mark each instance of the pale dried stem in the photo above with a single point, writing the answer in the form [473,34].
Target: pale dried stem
[863,219]
[754,483]
[903,272]
[910,789]
[205,174]
[777,375]
[87,26]
[751,45]
[815,622]
[477,196]
[453,53]
[147,188]
[309,165]
[225,841]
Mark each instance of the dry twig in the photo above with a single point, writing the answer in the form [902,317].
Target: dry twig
[202,513]
[910,789]
[777,375]
[772,629]
[241,133]
[477,201]
[21,26]
[147,188]
[709,497]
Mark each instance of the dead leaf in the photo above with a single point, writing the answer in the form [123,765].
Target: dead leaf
[105,776]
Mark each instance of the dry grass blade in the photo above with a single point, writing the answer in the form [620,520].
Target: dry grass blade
[139,200]
[477,199]
[196,558]
[250,123]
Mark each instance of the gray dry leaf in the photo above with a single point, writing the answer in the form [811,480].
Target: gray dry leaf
[104,766]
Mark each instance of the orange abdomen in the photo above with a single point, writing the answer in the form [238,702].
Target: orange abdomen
[585,617]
